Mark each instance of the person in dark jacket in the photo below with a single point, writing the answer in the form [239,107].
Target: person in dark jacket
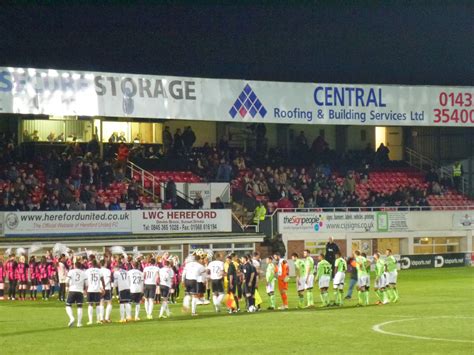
[331,250]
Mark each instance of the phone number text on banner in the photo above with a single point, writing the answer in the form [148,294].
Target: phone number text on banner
[181,221]
[67,223]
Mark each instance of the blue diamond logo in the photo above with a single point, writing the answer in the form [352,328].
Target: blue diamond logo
[233,112]
[252,97]
[253,111]
[247,102]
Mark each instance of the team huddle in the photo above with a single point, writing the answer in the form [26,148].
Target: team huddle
[136,280]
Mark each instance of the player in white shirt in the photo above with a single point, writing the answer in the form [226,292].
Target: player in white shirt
[166,283]
[189,281]
[216,273]
[76,279]
[192,274]
[135,277]
[94,288]
[122,284]
[150,274]
[106,298]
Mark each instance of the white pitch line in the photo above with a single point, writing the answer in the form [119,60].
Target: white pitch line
[378,328]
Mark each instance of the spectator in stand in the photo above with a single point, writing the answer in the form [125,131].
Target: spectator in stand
[114,138]
[198,202]
[171,193]
[76,174]
[119,175]
[93,145]
[382,155]
[114,205]
[122,138]
[218,205]
[100,205]
[167,140]
[106,174]
[178,142]
[51,137]
[134,204]
[122,153]
[284,202]
[349,183]
[457,175]
[85,194]
[432,176]
[91,205]
[76,205]
[224,172]
[189,138]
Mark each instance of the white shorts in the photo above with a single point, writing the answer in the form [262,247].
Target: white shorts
[381,282]
[271,287]
[363,281]
[324,281]
[309,282]
[392,277]
[300,284]
[339,279]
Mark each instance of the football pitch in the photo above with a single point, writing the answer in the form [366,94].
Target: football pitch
[435,315]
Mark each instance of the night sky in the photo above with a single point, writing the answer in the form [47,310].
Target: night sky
[432,43]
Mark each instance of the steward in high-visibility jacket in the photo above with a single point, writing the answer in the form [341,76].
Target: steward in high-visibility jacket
[259,213]
[457,169]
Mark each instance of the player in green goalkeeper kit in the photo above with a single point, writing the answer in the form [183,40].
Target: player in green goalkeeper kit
[380,280]
[270,278]
[392,274]
[323,275]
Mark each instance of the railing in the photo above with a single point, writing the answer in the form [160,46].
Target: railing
[424,163]
[242,226]
[145,176]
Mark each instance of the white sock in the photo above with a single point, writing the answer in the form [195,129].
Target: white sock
[186,301]
[79,316]
[98,313]
[137,310]
[151,304]
[162,309]
[101,312]
[214,300]
[147,308]
[90,312]
[128,310]
[122,311]
[220,298]
[167,309]
[108,310]
[194,305]
[69,313]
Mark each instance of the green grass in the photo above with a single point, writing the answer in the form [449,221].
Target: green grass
[435,303]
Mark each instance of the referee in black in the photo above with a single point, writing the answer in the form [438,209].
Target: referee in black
[331,250]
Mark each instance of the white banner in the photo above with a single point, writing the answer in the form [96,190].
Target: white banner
[340,222]
[67,223]
[181,221]
[463,220]
[76,93]
[204,189]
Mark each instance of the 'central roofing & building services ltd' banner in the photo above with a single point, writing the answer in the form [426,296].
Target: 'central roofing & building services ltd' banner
[77,93]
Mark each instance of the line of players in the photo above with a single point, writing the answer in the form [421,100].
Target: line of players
[385,285]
